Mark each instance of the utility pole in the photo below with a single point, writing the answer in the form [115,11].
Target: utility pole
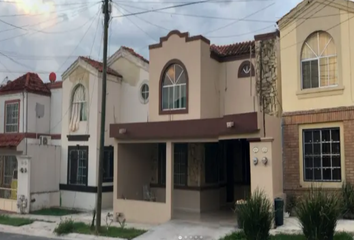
[106,9]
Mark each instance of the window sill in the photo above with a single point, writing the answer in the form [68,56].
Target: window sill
[320,92]
[321,184]
[172,112]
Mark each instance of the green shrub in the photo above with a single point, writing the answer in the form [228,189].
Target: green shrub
[256,216]
[347,194]
[290,203]
[65,227]
[318,213]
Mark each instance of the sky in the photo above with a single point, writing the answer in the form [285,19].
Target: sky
[45,36]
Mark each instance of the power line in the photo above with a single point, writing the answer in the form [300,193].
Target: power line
[87,30]
[236,21]
[57,23]
[150,23]
[179,2]
[54,4]
[164,8]
[242,34]
[94,38]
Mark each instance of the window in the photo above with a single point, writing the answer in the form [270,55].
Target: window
[322,155]
[8,169]
[246,69]
[319,61]
[180,164]
[108,164]
[211,163]
[174,88]
[78,107]
[144,92]
[12,116]
[78,165]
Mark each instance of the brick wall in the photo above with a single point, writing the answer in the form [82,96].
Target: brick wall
[291,141]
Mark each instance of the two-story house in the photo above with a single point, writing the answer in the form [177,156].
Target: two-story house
[213,132]
[30,113]
[317,64]
[127,98]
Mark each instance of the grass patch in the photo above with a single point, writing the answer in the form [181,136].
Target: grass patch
[54,212]
[13,221]
[241,236]
[69,226]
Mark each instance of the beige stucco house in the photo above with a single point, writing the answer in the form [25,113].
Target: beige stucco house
[317,63]
[213,133]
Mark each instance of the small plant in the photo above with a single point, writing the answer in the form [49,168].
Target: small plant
[65,226]
[109,219]
[256,216]
[347,194]
[121,219]
[318,213]
[290,204]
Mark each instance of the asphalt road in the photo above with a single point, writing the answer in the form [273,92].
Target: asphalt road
[8,236]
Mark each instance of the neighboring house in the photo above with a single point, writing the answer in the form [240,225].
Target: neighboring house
[127,98]
[213,110]
[29,143]
[317,64]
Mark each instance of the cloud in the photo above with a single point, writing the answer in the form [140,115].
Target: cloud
[51,42]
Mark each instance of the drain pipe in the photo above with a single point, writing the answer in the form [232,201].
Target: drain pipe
[26,120]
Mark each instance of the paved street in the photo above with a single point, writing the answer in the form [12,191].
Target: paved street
[8,236]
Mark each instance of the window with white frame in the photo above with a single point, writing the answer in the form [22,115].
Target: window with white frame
[322,155]
[11,116]
[319,61]
[174,88]
[78,107]
[78,165]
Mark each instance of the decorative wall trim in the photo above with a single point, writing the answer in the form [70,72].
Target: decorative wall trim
[191,188]
[86,189]
[78,138]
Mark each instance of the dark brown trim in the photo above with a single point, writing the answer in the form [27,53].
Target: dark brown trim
[18,115]
[191,188]
[55,85]
[181,35]
[267,36]
[254,140]
[37,135]
[162,76]
[29,91]
[187,129]
[242,74]
[78,138]
[86,189]
[317,111]
[230,58]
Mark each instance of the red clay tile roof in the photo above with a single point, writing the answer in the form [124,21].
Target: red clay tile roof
[30,82]
[99,66]
[11,139]
[234,49]
[135,54]
[54,85]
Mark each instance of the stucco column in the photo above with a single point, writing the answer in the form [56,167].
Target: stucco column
[115,171]
[169,177]
[23,184]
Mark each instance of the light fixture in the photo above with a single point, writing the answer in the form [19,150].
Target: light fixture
[255,161]
[230,124]
[265,160]
[122,131]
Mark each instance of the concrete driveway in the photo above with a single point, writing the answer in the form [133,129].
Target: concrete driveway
[179,229]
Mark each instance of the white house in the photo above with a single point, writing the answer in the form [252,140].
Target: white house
[30,139]
[127,97]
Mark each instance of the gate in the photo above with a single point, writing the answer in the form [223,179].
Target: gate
[8,183]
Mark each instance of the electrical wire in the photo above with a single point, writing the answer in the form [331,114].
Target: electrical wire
[57,23]
[243,34]
[87,30]
[52,3]
[137,26]
[236,21]
[94,38]
[179,2]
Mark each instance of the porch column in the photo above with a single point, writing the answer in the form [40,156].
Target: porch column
[266,167]
[169,178]
[23,184]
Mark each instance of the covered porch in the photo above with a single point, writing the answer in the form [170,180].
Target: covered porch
[195,169]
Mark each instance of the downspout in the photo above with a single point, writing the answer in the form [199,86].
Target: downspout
[261,100]
[26,120]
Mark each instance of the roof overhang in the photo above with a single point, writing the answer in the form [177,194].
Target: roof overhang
[121,52]
[187,129]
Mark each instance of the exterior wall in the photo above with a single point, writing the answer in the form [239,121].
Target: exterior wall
[190,54]
[38,125]
[295,99]
[56,111]
[10,97]
[44,180]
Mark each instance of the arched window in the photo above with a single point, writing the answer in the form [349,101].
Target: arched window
[174,88]
[246,69]
[319,61]
[78,107]
[144,93]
